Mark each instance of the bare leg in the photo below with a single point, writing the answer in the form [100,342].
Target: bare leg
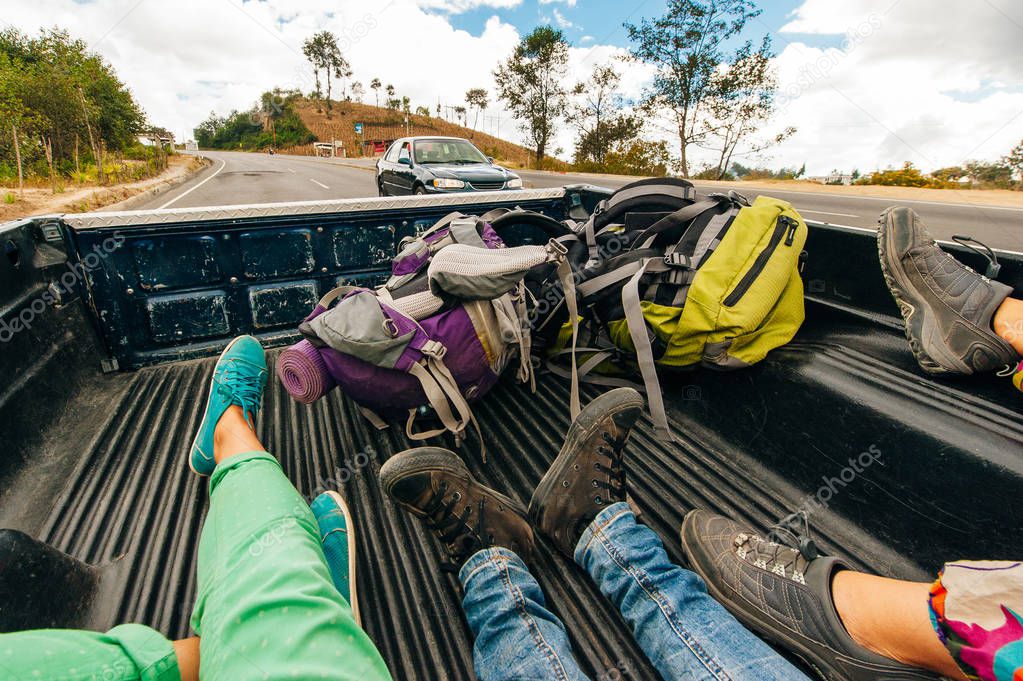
[890,617]
[1008,322]
[187,650]
[234,436]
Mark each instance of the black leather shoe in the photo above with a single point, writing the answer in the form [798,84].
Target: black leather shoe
[589,473]
[783,594]
[435,485]
[947,306]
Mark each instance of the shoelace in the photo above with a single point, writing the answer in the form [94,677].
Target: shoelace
[615,485]
[242,387]
[993,266]
[462,539]
[789,556]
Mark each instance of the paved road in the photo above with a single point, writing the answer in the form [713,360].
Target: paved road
[244,178]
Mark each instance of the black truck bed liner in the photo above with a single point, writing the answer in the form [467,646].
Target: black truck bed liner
[131,505]
[94,463]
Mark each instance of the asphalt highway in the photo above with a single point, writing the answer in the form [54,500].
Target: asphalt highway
[249,178]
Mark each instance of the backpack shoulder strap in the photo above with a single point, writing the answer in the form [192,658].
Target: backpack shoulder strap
[676,219]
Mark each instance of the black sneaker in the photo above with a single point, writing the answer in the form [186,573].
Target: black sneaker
[947,306]
[589,473]
[435,485]
[783,594]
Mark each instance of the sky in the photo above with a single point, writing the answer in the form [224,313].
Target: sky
[866,83]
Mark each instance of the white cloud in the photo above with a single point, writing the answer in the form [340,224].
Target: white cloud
[909,83]
[458,6]
[561,20]
[220,56]
[932,87]
[569,3]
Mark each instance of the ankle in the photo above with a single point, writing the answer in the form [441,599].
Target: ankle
[233,435]
[891,618]
[1008,323]
[847,588]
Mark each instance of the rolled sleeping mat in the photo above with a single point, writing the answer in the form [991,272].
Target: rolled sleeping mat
[303,373]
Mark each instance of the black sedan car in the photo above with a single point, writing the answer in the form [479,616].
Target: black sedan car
[439,165]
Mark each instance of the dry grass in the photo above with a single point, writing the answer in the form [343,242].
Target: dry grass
[387,124]
[42,201]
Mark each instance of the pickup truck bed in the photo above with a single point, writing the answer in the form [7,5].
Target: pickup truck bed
[95,460]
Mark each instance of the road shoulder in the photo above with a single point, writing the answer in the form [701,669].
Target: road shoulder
[40,201]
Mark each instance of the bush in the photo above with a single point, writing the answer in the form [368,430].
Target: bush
[906,176]
[637,158]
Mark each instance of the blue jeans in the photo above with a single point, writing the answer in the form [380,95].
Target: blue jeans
[684,632]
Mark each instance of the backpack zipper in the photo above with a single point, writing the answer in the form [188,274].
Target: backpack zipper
[784,224]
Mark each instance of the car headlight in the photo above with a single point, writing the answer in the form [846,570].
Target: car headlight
[448,183]
[514,183]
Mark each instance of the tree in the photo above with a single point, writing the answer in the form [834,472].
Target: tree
[322,51]
[742,98]
[54,93]
[423,111]
[530,82]
[312,48]
[1014,160]
[949,174]
[460,114]
[599,117]
[477,98]
[375,86]
[358,91]
[390,90]
[996,175]
[686,47]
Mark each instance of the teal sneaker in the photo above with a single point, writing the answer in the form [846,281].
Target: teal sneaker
[238,379]
[337,534]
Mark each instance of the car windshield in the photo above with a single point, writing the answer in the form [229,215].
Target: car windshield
[447,151]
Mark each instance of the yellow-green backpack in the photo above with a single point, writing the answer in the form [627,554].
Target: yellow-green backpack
[722,295]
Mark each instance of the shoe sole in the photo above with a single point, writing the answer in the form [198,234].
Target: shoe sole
[206,410]
[919,327]
[352,562]
[753,619]
[431,459]
[614,402]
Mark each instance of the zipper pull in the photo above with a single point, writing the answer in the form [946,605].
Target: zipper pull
[790,238]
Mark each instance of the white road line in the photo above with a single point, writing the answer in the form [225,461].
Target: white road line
[290,170]
[889,200]
[319,183]
[824,212]
[192,189]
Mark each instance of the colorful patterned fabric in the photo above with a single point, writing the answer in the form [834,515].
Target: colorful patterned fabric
[977,610]
[1017,376]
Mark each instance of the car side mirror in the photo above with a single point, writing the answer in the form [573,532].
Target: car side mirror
[405,161]
[490,160]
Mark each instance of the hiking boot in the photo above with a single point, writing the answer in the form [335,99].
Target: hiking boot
[239,378]
[337,535]
[435,485]
[783,594]
[947,306]
[589,473]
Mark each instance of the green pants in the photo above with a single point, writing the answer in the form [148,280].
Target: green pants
[266,607]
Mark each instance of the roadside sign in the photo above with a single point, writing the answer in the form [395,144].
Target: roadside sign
[358,128]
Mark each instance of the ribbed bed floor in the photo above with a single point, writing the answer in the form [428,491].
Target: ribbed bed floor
[133,494]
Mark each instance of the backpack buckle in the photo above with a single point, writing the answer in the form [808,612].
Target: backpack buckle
[557,248]
[434,349]
[678,260]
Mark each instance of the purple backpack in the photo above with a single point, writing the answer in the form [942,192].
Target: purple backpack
[438,334]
